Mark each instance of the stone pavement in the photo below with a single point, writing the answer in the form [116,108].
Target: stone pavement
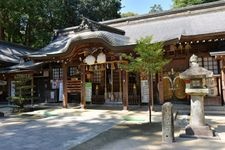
[55,129]
[62,129]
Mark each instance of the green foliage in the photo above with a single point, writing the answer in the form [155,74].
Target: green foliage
[156,8]
[31,22]
[184,3]
[149,57]
[23,89]
[128,14]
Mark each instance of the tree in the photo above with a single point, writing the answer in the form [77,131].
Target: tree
[184,3]
[31,22]
[155,8]
[148,60]
[23,90]
[128,14]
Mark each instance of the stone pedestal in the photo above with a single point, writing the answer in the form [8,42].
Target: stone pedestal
[197,126]
[197,110]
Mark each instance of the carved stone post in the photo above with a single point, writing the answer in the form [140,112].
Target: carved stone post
[167,123]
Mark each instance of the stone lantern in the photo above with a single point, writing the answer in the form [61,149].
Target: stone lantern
[196,88]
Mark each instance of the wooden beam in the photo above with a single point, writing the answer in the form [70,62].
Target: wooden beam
[83,94]
[65,92]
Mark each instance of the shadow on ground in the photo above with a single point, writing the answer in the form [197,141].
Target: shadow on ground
[147,136]
[125,136]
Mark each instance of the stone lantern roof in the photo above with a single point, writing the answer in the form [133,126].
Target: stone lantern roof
[195,71]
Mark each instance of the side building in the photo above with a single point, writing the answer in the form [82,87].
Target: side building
[195,30]
[11,55]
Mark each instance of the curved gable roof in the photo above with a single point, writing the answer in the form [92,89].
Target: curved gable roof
[61,44]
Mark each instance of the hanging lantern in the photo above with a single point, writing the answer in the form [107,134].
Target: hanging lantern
[90,60]
[101,58]
[180,47]
[187,46]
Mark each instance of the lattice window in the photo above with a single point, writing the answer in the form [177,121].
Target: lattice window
[72,71]
[57,73]
[209,63]
[97,77]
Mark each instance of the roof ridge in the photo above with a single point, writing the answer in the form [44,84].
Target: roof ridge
[167,12]
[88,24]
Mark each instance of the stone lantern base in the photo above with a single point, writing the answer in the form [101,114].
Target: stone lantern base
[198,131]
[197,126]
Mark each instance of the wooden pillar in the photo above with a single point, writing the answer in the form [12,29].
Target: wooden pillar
[120,84]
[223,82]
[160,87]
[83,94]
[105,94]
[125,90]
[32,90]
[65,96]
[112,81]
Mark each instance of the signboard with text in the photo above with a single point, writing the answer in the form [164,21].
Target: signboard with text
[144,91]
[88,90]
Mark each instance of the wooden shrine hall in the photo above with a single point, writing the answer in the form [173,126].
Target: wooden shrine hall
[83,63]
[87,60]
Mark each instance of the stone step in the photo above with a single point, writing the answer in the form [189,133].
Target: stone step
[185,109]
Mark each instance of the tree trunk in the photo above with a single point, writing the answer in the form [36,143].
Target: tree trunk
[149,101]
[2,35]
[151,90]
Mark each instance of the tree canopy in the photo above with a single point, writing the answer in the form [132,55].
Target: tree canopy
[128,14]
[149,57]
[31,22]
[155,8]
[184,3]
[147,60]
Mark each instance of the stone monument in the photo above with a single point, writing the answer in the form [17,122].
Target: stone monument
[196,77]
[167,123]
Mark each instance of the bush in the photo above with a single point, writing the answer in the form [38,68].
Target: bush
[23,90]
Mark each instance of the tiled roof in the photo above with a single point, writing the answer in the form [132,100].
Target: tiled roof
[169,25]
[12,53]
[62,43]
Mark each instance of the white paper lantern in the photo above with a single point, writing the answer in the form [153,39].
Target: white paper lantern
[101,58]
[90,60]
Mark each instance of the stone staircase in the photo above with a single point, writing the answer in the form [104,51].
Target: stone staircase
[185,109]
